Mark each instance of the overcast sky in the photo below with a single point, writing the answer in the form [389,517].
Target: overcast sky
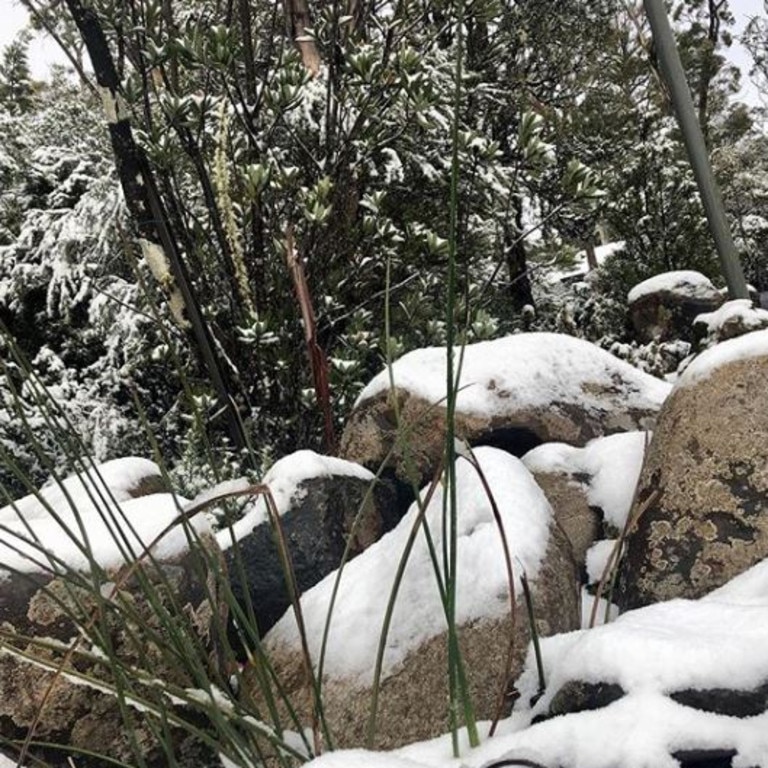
[43,51]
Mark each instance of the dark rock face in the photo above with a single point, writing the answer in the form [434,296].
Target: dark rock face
[578,696]
[317,528]
[668,313]
[703,491]
[705,758]
[722,701]
[37,608]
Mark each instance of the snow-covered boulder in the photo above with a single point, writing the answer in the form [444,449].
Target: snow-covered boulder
[116,480]
[516,392]
[70,573]
[664,307]
[325,504]
[734,318]
[413,695]
[677,683]
[682,684]
[589,488]
[703,494]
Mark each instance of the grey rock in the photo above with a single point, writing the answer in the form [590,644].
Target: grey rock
[38,608]
[703,493]
[669,312]
[317,527]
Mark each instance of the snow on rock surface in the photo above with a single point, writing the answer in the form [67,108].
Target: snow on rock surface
[598,558]
[750,345]
[482,592]
[665,647]
[738,313]
[360,758]
[720,641]
[515,393]
[610,467]
[284,479]
[717,642]
[117,479]
[639,731]
[122,533]
[96,511]
[686,283]
[523,370]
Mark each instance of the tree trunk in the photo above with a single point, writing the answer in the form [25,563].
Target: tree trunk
[299,19]
[591,257]
[708,69]
[519,289]
[147,210]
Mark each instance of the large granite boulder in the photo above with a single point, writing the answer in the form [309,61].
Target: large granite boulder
[516,393]
[327,507]
[75,577]
[413,694]
[703,493]
[664,307]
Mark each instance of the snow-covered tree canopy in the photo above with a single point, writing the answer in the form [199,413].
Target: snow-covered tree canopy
[320,137]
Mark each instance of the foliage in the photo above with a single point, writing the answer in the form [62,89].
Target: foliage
[249,145]
[68,294]
[393,147]
[16,89]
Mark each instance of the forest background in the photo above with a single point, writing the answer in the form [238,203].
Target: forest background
[301,155]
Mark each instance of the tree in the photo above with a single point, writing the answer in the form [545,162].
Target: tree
[623,128]
[297,159]
[16,89]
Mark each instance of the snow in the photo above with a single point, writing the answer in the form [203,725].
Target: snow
[635,732]
[738,312]
[666,647]
[361,758]
[87,490]
[611,466]
[681,282]
[580,266]
[284,480]
[598,556]
[93,510]
[748,346]
[482,592]
[524,370]
[650,652]
[108,535]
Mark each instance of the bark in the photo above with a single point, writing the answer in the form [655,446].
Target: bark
[520,292]
[299,19]
[317,359]
[148,212]
[244,13]
[591,258]
[708,69]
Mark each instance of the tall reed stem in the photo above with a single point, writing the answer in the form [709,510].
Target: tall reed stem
[458,689]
